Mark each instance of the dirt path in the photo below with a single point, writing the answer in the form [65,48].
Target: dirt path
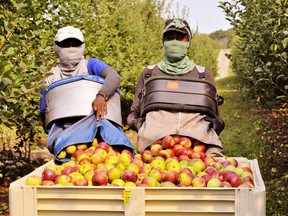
[223,64]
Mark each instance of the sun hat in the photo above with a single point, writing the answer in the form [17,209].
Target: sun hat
[69,32]
[178,25]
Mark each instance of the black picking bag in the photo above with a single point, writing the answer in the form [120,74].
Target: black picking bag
[179,94]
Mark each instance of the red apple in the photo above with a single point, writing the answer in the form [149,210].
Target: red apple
[155,148]
[81,156]
[199,148]
[210,170]
[186,170]
[63,179]
[205,176]
[233,161]
[146,155]
[145,168]
[77,153]
[198,182]
[218,166]
[48,174]
[129,176]
[226,174]
[176,148]
[183,157]
[234,180]
[127,151]
[185,141]
[158,142]
[81,182]
[172,176]
[200,155]
[168,142]
[149,182]
[247,179]
[90,151]
[218,175]
[177,138]
[67,170]
[156,174]
[225,163]
[47,183]
[137,161]
[170,152]
[85,161]
[100,179]
[164,153]
[103,145]
[209,161]
[99,156]
[247,169]
[184,151]
[191,152]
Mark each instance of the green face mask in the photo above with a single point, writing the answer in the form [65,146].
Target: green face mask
[175,50]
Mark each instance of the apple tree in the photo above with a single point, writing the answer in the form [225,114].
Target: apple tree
[260,55]
[21,67]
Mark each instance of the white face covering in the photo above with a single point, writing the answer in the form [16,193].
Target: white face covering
[72,63]
[69,57]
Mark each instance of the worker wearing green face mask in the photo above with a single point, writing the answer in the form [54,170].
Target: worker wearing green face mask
[176,41]
[161,119]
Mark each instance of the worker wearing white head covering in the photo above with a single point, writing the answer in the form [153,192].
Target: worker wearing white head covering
[69,45]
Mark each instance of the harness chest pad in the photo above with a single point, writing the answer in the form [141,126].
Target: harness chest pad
[179,94]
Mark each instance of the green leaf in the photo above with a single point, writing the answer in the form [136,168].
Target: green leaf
[2,40]
[6,81]
[11,51]
[285,42]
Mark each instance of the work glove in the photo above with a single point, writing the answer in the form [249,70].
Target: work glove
[136,125]
[215,124]
[99,106]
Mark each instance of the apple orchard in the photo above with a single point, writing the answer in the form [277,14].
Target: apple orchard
[174,161]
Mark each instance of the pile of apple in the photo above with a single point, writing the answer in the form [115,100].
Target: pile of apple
[174,161]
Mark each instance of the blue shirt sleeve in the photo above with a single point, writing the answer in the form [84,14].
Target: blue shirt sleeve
[96,66]
[43,101]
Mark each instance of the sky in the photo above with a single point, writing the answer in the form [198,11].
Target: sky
[205,14]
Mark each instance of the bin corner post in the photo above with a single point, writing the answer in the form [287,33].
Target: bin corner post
[243,202]
[135,201]
[16,198]
[30,201]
